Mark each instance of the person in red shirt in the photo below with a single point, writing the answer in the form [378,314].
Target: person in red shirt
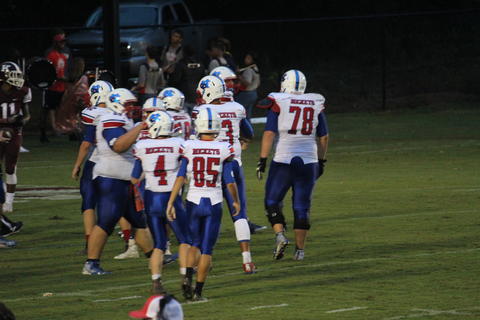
[59,55]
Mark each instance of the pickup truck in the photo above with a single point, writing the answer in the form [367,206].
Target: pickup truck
[88,43]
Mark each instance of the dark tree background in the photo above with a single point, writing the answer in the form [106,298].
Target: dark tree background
[418,58]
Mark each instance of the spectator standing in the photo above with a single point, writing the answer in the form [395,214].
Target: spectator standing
[173,52]
[249,78]
[58,54]
[150,77]
[217,57]
[187,74]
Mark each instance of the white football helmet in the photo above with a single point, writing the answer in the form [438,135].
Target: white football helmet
[120,99]
[172,98]
[207,121]
[223,73]
[99,91]
[293,81]
[210,88]
[160,123]
[11,73]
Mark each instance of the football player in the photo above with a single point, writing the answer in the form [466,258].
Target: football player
[14,114]
[115,135]
[98,91]
[233,123]
[173,100]
[297,118]
[4,243]
[158,158]
[206,162]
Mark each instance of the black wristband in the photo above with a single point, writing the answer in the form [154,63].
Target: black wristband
[322,160]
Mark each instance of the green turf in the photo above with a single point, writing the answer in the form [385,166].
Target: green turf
[395,233]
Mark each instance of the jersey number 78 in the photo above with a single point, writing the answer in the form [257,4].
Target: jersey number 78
[306,114]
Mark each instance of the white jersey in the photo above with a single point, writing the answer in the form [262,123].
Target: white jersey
[182,124]
[160,162]
[297,124]
[231,114]
[90,117]
[204,170]
[111,164]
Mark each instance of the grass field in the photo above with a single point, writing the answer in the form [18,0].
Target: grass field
[396,234]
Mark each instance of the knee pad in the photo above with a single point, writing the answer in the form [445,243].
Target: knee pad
[242,230]
[275,215]
[11,178]
[301,220]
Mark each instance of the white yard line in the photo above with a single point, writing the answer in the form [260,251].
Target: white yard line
[118,299]
[317,265]
[346,309]
[429,313]
[270,306]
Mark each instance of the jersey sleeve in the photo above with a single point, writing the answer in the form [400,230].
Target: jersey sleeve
[246,129]
[137,169]
[227,173]
[182,171]
[112,134]
[322,128]
[27,98]
[272,121]
[89,134]
[87,117]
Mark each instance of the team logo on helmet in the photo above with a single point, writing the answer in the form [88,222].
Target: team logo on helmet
[115,97]
[216,74]
[168,93]
[155,117]
[205,84]
[95,89]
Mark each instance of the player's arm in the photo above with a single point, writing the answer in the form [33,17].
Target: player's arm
[322,141]
[88,140]
[125,141]
[177,186]
[229,181]
[246,133]
[271,129]
[26,113]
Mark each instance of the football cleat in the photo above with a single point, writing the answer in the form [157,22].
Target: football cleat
[254,228]
[299,254]
[8,207]
[249,268]
[5,243]
[187,288]
[14,228]
[169,258]
[93,269]
[199,298]
[281,245]
[130,253]
[157,287]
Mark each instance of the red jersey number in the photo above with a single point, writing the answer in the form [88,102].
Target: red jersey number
[229,126]
[202,167]
[160,171]
[307,115]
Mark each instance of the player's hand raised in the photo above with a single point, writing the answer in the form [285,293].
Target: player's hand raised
[75,172]
[171,215]
[261,165]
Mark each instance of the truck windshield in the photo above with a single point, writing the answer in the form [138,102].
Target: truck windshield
[130,16]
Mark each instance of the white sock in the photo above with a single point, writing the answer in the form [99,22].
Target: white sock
[183,271]
[156,276]
[247,257]
[167,250]
[9,196]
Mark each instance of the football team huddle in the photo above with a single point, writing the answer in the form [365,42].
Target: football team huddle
[169,173]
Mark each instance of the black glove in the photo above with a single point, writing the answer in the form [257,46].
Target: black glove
[321,165]
[261,165]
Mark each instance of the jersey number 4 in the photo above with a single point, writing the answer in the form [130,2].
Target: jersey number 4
[160,171]
[306,114]
[199,171]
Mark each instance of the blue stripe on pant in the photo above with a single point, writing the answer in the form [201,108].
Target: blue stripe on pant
[2,192]
[240,181]
[155,208]
[296,175]
[205,220]
[115,199]
[87,189]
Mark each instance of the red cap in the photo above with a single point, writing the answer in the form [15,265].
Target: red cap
[149,310]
